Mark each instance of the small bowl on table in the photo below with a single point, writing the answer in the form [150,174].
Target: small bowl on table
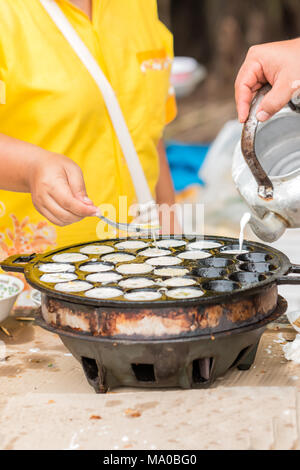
[10,288]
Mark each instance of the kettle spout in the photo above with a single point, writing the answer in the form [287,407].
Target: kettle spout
[270,228]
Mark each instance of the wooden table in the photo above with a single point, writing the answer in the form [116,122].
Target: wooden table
[46,403]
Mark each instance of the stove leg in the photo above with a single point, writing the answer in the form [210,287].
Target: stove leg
[249,359]
[95,374]
[184,380]
[100,385]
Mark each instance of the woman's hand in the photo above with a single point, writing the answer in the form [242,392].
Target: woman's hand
[57,188]
[275,63]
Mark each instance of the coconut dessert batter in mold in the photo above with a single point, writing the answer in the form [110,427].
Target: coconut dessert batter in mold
[143,296]
[73,286]
[154,253]
[134,268]
[118,258]
[171,243]
[56,268]
[179,282]
[104,293]
[96,267]
[184,293]
[131,245]
[104,277]
[171,272]
[96,250]
[54,278]
[194,255]
[164,261]
[203,245]
[235,252]
[136,283]
[69,258]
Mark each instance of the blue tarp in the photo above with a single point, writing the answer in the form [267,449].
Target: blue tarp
[185,161]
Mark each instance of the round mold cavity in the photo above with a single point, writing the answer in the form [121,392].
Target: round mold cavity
[211,273]
[170,243]
[194,255]
[69,257]
[179,282]
[104,293]
[235,249]
[221,286]
[217,262]
[134,268]
[136,283]
[73,286]
[260,268]
[164,261]
[143,295]
[255,257]
[104,277]
[96,249]
[118,257]
[56,268]
[55,278]
[185,293]
[154,252]
[96,267]
[131,245]
[171,271]
[246,278]
[204,245]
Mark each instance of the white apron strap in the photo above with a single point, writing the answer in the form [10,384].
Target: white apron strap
[137,174]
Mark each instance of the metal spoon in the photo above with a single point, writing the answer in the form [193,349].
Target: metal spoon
[147,229]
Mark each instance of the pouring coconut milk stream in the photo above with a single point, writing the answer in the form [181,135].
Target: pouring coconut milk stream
[244,221]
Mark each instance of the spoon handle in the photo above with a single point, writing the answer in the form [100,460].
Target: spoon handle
[129,227]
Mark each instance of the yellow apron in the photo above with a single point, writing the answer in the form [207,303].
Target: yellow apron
[49,99]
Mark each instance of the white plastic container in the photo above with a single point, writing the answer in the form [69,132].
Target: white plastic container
[7,302]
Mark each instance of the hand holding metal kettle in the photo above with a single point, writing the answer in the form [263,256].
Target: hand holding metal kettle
[266,170]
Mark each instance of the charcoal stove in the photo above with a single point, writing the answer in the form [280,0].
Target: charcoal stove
[155,335]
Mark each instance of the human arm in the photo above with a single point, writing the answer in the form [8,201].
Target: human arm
[55,182]
[165,193]
[276,63]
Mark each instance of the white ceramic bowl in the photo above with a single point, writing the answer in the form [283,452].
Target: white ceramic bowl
[294,317]
[36,298]
[7,303]
[186,74]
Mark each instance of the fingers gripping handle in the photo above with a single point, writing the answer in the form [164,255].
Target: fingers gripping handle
[265,186]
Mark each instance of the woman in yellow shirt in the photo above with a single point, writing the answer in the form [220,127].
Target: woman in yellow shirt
[58,149]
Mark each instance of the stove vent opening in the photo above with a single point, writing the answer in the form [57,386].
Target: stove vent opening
[202,369]
[90,367]
[239,357]
[143,372]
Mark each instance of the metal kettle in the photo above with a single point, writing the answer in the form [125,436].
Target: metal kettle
[266,170]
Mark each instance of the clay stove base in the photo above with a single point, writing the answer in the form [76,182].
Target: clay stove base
[184,363]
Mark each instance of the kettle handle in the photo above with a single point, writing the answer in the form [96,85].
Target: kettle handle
[290,280]
[265,186]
